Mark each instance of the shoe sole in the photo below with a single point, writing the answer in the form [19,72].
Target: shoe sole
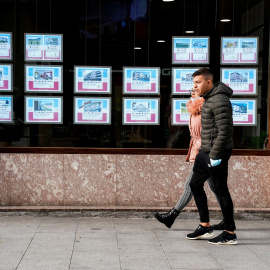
[231,242]
[204,236]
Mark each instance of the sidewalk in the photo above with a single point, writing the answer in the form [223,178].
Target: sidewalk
[80,243]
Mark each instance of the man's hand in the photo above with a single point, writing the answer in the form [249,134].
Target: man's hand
[215,162]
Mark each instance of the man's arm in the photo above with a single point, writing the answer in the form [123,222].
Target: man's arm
[222,113]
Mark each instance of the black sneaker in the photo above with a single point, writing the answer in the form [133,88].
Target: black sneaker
[219,226]
[201,233]
[224,238]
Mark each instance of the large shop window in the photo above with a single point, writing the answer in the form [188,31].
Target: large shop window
[117,74]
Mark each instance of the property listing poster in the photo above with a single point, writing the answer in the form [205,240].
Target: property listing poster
[182,80]
[43,47]
[141,80]
[190,50]
[6,109]
[92,110]
[140,111]
[5,77]
[237,50]
[180,114]
[5,46]
[92,80]
[43,79]
[242,81]
[244,112]
[43,110]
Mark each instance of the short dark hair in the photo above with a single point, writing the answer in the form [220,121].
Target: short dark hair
[205,72]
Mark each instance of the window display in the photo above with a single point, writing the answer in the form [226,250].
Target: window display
[6,78]
[45,79]
[43,47]
[92,110]
[140,111]
[6,109]
[141,80]
[239,50]
[44,110]
[92,80]
[242,81]
[190,50]
[5,46]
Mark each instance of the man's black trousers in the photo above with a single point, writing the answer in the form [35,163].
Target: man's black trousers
[202,171]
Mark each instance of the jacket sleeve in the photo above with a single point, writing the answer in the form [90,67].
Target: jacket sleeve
[222,112]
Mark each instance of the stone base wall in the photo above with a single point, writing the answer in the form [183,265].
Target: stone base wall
[107,180]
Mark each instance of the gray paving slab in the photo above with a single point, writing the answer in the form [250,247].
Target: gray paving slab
[81,243]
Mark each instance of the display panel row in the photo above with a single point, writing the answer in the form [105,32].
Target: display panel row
[37,47]
[192,50]
[243,81]
[233,50]
[136,111]
[97,80]
[244,112]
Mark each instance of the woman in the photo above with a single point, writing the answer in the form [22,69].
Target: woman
[194,106]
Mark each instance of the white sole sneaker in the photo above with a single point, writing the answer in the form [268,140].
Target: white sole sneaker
[231,242]
[204,236]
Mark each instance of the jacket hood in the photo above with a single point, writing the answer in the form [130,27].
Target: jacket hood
[219,88]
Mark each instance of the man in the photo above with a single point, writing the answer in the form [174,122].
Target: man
[212,160]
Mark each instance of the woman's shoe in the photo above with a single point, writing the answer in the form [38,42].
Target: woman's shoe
[167,218]
[219,226]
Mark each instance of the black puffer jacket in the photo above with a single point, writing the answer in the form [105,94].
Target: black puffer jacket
[217,122]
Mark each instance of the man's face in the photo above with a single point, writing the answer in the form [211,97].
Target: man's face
[202,85]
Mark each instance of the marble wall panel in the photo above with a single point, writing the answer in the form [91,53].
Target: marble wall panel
[263,175]
[90,180]
[121,180]
[178,173]
[249,178]
[150,180]
[34,179]
[5,186]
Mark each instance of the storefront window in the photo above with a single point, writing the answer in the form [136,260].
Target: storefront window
[128,33]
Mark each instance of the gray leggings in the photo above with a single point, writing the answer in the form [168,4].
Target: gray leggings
[187,195]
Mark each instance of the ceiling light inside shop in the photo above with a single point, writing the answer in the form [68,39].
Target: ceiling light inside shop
[189,32]
[161,40]
[137,48]
[225,20]
[168,0]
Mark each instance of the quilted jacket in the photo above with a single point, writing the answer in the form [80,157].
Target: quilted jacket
[217,121]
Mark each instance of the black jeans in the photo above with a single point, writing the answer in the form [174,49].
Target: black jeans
[202,171]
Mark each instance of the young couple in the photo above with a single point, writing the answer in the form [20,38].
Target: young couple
[210,149]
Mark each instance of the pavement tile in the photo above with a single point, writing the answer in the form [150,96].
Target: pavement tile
[95,260]
[42,264]
[193,261]
[142,252]
[80,243]
[134,239]
[243,265]
[10,259]
[145,264]
[14,244]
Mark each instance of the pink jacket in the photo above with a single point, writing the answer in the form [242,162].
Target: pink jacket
[195,126]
